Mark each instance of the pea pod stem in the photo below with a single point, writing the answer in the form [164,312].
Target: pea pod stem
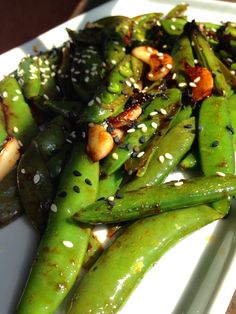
[64,243]
[157,199]
[119,270]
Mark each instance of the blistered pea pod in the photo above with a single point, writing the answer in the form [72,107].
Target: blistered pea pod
[224,80]
[182,54]
[64,243]
[173,23]
[156,113]
[216,141]
[154,200]
[143,26]
[10,206]
[28,75]
[18,118]
[167,156]
[111,97]
[87,69]
[113,51]
[119,270]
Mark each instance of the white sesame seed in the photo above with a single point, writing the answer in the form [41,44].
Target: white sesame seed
[18,91]
[192,84]
[15,129]
[20,143]
[131,130]
[154,125]
[69,141]
[115,156]
[168,156]
[111,198]
[174,76]
[140,154]
[58,88]
[163,69]
[153,113]
[163,111]
[195,61]
[113,61]
[197,79]
[178,183]
[86,79]
[73,79]
[83,134]
[98,100]
[141,125]
[182,84]
[128,83]
[23,171]
[91,124]
[173,27]
[220,174]
[144,129]
[169,66]
[91,103]
[5,94]
[15,98]
[161,159]
[160,54]
[53,208]
[151,74]
[232,72]
[45,97]
[36,178]
[68,244]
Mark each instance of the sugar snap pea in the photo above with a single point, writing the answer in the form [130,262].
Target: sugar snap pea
[149,123]
[119,270]
[64,243]
[18,118]
[167,156]
[157,199]
[189,161]
[3,132]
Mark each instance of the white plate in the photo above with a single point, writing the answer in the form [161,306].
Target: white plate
[196,276]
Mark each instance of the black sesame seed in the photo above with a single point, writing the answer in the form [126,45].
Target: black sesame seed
[76,189]
[62,194]
[116,139]
[230,129]
[134,154]
[142,139]
[110,129]
[77,173]
[122,145]
[215,143]
[111,203]
[119,195]
[188,126]
[87,181]
[128,146]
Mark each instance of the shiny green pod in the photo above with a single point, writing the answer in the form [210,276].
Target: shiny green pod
[109,283]
[157,199]
[171,149]
[3,132]
[64,243]
[18,118]
[231,105]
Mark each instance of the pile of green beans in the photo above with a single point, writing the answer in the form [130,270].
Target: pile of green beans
[186,120]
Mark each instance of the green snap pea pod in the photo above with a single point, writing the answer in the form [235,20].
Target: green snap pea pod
[171,149]
[68,109]
[18,118]
[189,161]
[87,70]
[94,250]
[216,141]
[28,75]
[173,23]
[182,54]
[231,101]
[184,114]
[158,199]
[119,270]
[35,186]
[143,27]
[10,207]
[177,11]
[140,165]
[208,59]
[57,162]
[3,132]
[109,185]
[114,51]
[64,243]
[170,103]
[110,98]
